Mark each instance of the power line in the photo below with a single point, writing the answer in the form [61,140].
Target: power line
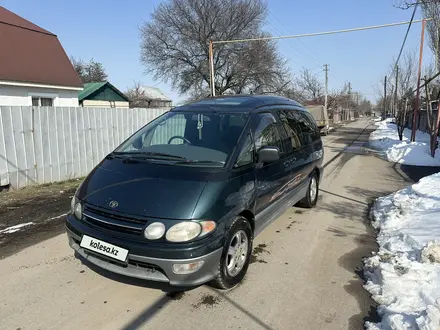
[299,42]
[320,33]
[404,39]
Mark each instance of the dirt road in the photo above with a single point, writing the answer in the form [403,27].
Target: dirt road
[304,275]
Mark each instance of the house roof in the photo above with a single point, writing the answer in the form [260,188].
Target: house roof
[91,89]
[32,54]
[153,93]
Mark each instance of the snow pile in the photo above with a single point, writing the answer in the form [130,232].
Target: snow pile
[16,228]
[386,139]
[404,276]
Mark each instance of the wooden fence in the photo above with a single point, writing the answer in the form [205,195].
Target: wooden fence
[47,144]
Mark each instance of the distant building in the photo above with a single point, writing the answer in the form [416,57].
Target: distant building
[312,102]
[154,98]
[102,95]
[34,68]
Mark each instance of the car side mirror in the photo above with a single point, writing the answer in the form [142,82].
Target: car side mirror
[268,154]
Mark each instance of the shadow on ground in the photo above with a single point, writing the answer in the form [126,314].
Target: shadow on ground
[415,173]
[355,208]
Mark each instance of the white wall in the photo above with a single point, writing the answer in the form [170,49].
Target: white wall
[22,96]
[104,104]
[47,144]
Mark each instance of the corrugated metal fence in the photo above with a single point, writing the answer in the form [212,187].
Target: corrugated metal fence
[47,144]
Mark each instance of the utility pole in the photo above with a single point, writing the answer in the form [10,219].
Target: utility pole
[395,91]
[385,98]
[211,68]
[416,110]
[326,69]
[349,100]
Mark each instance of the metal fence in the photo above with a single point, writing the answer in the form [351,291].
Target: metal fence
[422,121]
[47,144]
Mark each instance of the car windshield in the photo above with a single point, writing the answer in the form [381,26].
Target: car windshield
[204,138]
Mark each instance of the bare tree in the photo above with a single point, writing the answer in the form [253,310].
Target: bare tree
[431,9]
[136,96]
[175,47]
[401,119]
[365,106]
[309,85]
[91,71]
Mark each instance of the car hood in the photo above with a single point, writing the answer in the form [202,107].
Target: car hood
[143,189]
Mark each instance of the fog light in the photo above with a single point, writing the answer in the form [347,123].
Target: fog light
[187,268]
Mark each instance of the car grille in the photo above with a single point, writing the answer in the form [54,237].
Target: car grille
[112,221]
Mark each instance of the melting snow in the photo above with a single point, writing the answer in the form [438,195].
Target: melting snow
[386,139]
[404,276]
[16,228]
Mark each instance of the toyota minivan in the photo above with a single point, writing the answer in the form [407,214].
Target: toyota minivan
[182,199]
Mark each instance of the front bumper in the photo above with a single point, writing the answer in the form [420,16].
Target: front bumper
[153,269]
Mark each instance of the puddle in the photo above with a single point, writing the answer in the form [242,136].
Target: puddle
[257,252]
[359,148]
[207,300]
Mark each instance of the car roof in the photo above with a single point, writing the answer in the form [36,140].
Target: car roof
[236,103]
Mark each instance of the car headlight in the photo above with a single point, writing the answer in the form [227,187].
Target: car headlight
[154,231]
[188,230]
[78,211]
[72,205]
[183,231]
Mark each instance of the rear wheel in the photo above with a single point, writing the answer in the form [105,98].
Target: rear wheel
[311,198]
[236,255]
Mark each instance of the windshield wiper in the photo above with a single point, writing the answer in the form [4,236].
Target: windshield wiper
[147,154]
[201,162]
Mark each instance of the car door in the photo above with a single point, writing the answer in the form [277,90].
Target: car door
[310,140]
[295,157]
[270,177]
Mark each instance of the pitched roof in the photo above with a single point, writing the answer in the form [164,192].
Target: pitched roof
[153,93]
[32,54]
[94,87]
[90,88]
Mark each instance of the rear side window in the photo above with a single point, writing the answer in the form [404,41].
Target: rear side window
[312,125]
[292,140]
[307,126]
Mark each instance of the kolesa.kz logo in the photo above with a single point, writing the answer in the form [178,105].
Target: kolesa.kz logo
[99,246]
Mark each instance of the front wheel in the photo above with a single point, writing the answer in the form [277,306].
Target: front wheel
[311,198]
[236,255]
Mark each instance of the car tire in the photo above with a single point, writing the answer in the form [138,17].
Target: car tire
[311,198]
[236,255]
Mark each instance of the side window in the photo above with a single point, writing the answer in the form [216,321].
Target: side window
[266,132]
[292,141]
[307,128]
[246,155]
[313,125]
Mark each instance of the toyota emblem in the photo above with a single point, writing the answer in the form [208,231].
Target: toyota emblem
[113,204]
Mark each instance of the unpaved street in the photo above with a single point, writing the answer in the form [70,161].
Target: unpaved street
[305,272]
